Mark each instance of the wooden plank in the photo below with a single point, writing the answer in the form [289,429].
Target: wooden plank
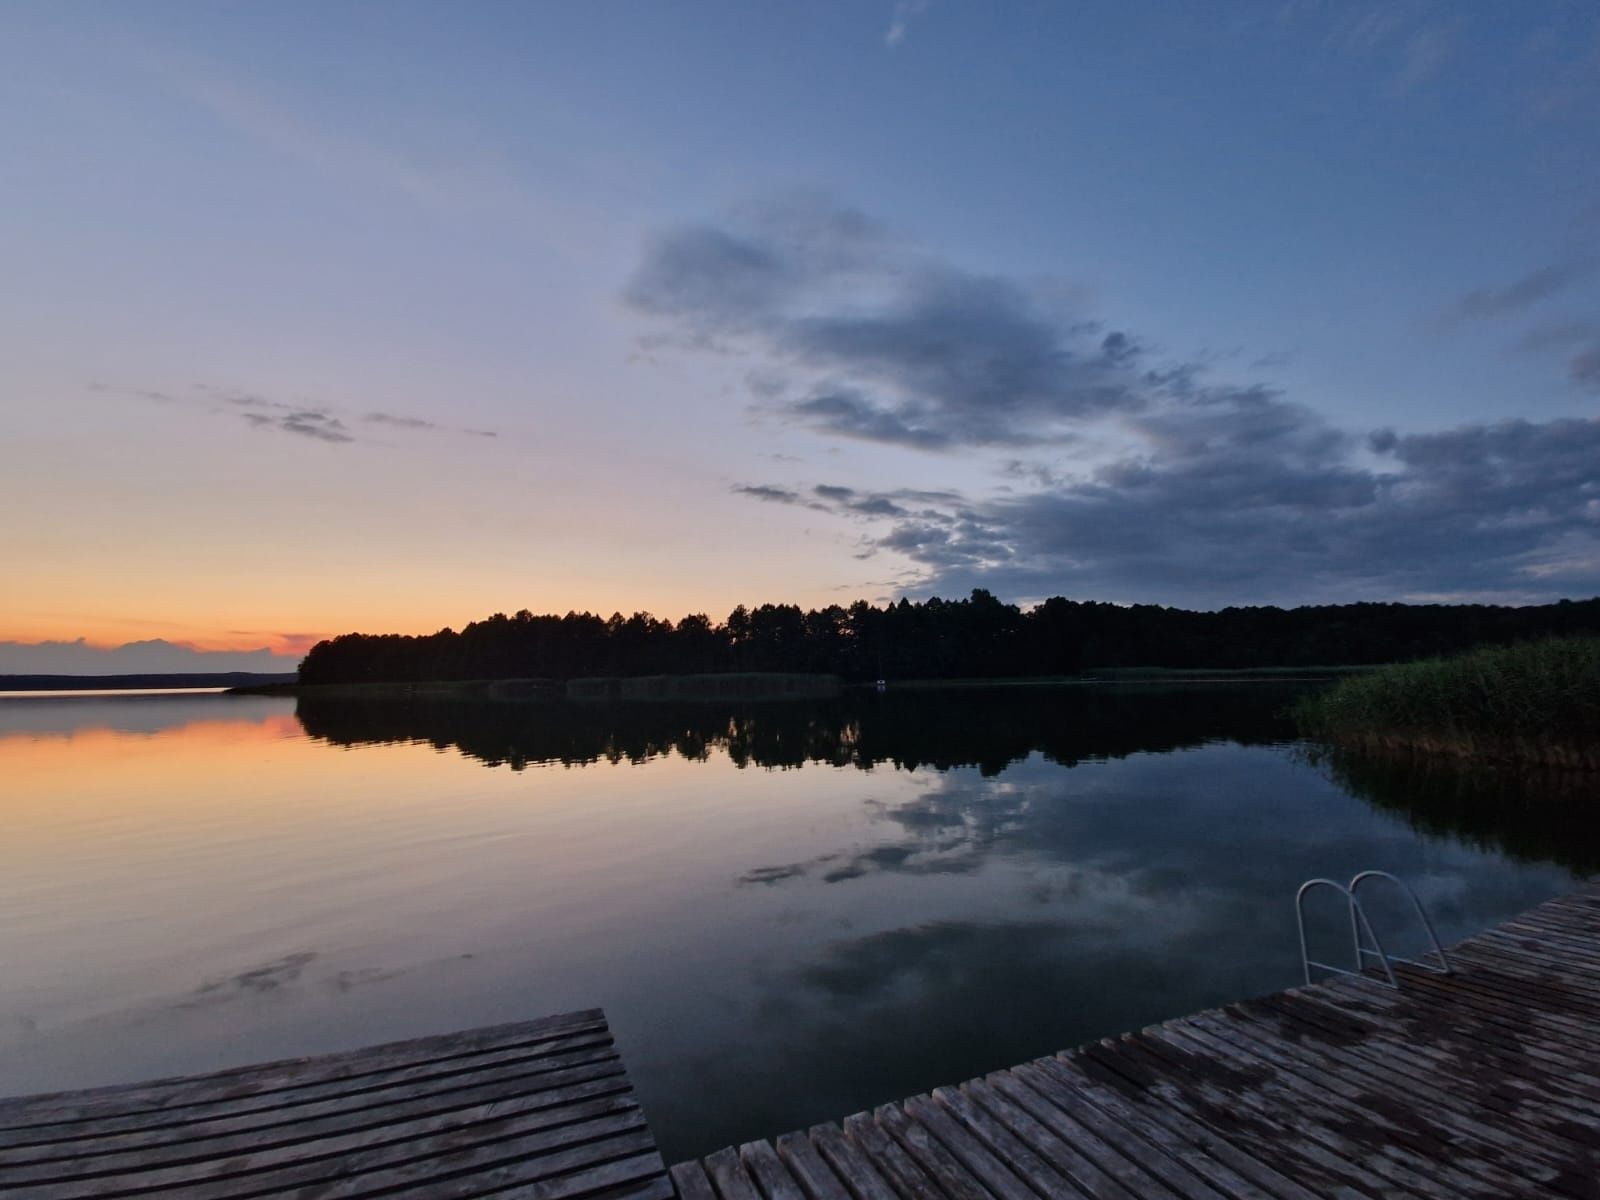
[126,1151]
[729,1177]
[1356,1142]
[1434,1080]
[1448,1147]
[1565,1164]
[1262,1158]
[1214,1099]
[1504,949]
[1004,1144]
[648,1187]
[1232,1171]
[108,1119]
[771,1176]
[1025,1088]
[1527,1008]
[692,1182]
[1576,952]
[1121,1151]
[287,1074]
[537,1109]
[1433,1048]
[993,1176]
[1444,1020]
[406,1148]
[947,1172]
[1066,1158]
[639,1174]
[810,1169]
[1060,1089]
[853,1166]
[1495,965]
[894,1163]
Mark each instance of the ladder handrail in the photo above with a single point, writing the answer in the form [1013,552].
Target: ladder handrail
[1444,963]
[1362,931]
[1358,919]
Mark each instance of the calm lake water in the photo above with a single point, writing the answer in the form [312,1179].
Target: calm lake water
[790,912]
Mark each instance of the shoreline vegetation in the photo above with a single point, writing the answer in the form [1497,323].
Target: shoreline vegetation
[1535,703]
[975,638]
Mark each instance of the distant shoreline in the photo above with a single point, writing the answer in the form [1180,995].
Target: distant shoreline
[774,685]
[229,680]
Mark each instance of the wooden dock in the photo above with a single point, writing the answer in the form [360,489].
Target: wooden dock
[540,1109]
[1485,1083]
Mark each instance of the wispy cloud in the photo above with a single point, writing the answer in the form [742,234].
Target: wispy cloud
[440,176]
[318,422]
[1522,293]
[307,422]
[417,423]
[1575,339]
[900,20]
[1426,52]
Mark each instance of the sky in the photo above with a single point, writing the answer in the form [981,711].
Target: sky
[386,317]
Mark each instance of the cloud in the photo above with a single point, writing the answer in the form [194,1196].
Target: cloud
[1254,501]
[317,422]
[307,422]
[778,495]
[1577,338]
[905,12]
[1584,368]
[447,172]
[1426,52]
[1120,474]
[888,345]
[418,424]
[1520,294]
[152,656]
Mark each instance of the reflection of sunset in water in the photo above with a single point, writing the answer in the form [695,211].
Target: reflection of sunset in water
[196,882]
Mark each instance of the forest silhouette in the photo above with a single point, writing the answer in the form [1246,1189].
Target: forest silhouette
[988,728]
[935,639]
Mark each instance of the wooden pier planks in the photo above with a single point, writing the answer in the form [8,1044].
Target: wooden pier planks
[537,1109]
[1485,1083]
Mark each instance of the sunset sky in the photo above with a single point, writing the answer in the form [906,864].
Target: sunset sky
[388,316]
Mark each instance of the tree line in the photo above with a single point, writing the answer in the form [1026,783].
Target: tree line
[932,639]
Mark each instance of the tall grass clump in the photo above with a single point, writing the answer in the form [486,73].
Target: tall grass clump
[1535,702]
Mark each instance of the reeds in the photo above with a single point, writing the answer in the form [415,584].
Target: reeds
[1535,702]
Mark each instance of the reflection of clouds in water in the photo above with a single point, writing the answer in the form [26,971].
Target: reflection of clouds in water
[1123,862]
[268,977]
[283,975]
[1093,900]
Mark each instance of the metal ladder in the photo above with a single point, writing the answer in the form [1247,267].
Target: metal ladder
[1361,928]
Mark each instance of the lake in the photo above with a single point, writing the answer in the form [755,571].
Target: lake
[789,911]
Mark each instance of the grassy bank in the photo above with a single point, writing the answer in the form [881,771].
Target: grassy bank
[1537,702]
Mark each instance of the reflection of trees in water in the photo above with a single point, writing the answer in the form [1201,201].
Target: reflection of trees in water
[987,728]
[1533,814]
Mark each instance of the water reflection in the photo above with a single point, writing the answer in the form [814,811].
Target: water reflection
[953,883]
[1091,901]
[1534,814]
[988,728]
